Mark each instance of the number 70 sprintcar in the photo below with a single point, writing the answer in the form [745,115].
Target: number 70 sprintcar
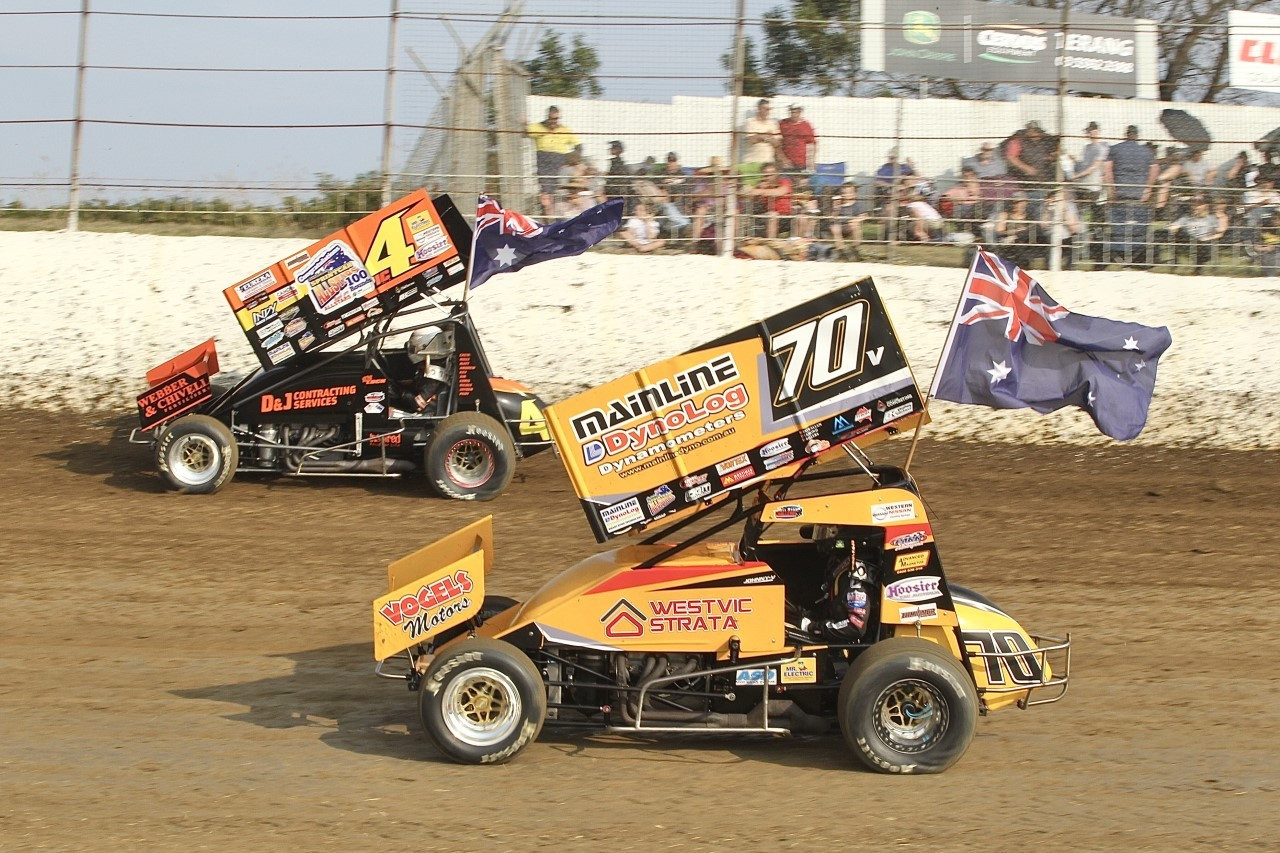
[831,609]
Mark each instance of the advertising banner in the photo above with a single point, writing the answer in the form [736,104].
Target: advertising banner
[342,283]
[985,42]
[750,406]
[1254,48]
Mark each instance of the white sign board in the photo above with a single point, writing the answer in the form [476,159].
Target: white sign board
[1254,50]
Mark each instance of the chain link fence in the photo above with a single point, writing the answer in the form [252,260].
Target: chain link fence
[710,155]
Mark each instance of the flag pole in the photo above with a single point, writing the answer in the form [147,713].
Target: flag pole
[471,258]
[942,356]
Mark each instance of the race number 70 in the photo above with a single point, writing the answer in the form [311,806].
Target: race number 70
[819,352]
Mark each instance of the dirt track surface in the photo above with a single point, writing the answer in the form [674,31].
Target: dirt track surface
[197,671]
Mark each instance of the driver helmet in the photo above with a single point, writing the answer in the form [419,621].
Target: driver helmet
[419,342]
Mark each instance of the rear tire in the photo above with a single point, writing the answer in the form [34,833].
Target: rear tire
[197,455]
[908,706]
[470,457]
[482,701]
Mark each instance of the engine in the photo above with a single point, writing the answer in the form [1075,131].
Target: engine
[318,449]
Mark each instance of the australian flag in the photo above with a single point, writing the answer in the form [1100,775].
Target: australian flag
[505,241]
[1011,346]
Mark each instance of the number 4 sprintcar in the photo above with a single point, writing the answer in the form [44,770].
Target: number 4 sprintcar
[337,394]
[831,609]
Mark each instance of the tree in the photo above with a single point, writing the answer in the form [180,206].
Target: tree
[754,83]
[564,75]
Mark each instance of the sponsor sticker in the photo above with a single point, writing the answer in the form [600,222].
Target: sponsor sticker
[270,329]
[622,515]
[803,671]
[817,446]
[280,353]
[897,511]
[778,461]
[697,493]
[375,397]
[737,476]
[919,588]
[919,613]
[690,480]
[255,285]
[374,408]
[863,414]
[788,511]
[747,677]
[841,424]
[739,461]
[295,326]
[769,578]
[263,314]
[289,313]
[897,412]
[274,339]
[306,340]
[773,448]
[908,540]
[662,498]
[911,562]
[297,260]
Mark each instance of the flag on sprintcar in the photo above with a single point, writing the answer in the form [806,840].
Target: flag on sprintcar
[506,241]
[752,405]
[1011,346]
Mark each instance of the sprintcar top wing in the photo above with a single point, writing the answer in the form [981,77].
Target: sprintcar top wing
[339,285]
[751,406]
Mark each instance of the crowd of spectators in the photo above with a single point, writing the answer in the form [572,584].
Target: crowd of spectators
[1026,195]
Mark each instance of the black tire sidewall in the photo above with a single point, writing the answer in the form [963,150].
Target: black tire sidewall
[455,662]
[893,660]
[216,431]
[475,427]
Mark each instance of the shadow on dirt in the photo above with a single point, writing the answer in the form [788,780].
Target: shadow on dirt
[102,450]
[333,690]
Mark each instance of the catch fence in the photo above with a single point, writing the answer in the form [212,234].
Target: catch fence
[448,103]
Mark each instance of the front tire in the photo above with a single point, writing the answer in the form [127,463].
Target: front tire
[197,455]
[908,706]
[470,457]
[482,701]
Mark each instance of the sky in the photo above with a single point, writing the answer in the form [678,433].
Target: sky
[306,36]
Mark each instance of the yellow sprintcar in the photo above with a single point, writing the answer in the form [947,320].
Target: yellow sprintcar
[841,615]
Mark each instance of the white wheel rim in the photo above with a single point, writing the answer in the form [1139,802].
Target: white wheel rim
[194,459]
[481,707]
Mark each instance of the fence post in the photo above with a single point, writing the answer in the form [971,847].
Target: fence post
[388,103]
[73,199]
[729,233]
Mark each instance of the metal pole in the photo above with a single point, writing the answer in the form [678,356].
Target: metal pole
[730,232]
[1060,209]
[389,103]
[73,200]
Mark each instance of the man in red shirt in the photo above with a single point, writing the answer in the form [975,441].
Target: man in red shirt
[771,199]
[799,143]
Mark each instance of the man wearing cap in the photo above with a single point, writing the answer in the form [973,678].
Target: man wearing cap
[1130,170]
[762,135]
[1030,154]
[1089,172]
[618,182]
[987,164]
[553,143]
[799,143]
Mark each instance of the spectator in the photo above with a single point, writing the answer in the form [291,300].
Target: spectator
[641,230]
[770,199]
[553,142]
[763,136]
[1130,171]
[987,164]
[1061,219]
[1018,235]
[1268,244]
[804,214]
[1188,169]
[889,177]
[1262,199]
[673,179]
[1200,230]
[848,212]
[799,144]
[618,182]
[1089,167]
[1030,154]
[963,203]
[926,222]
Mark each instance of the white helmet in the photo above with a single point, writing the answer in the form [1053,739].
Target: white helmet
[419,343]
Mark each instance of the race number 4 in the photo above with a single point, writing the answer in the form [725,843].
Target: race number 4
[820,352]
[390,254]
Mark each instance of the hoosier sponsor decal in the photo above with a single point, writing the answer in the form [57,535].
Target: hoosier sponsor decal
[921,588]
[773,448]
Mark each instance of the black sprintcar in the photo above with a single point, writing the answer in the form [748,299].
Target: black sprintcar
[337,411]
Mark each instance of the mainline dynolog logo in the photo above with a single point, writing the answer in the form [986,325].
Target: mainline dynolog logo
[656,397]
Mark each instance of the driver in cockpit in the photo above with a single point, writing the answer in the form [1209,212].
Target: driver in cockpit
[428,379]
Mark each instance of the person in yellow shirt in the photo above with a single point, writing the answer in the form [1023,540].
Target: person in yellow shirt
[553,143]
